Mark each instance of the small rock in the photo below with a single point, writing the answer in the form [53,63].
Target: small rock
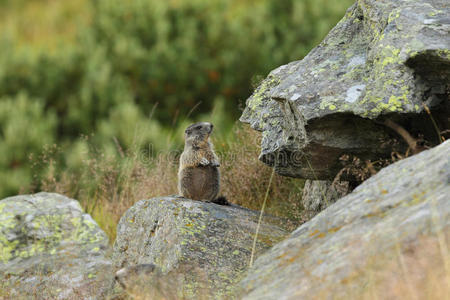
[319,194]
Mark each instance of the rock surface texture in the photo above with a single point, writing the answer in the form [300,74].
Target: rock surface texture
[329,255]
[385,60]
[319,194]
[50,249]
[202,248]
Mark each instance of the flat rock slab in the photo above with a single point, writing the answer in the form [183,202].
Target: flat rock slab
[387,59]
[50,249]
[331,255]
[205,246]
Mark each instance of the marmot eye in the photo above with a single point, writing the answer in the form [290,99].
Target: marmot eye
[198,127]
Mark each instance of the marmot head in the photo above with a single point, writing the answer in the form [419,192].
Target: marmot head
[198,133]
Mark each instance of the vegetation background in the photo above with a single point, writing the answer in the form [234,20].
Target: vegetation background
[95,94]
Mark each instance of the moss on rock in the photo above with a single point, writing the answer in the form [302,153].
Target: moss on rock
[205,245]
[383,59]
[50,247]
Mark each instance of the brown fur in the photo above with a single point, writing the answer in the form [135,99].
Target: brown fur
[200,183]
[198,175]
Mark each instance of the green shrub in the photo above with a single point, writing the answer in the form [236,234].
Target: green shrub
[25,128]
[180,53]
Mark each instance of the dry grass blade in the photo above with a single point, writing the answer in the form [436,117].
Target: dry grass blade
[412,142]
[260,218]
[427,109]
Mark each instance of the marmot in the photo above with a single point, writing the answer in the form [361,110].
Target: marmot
[198,175]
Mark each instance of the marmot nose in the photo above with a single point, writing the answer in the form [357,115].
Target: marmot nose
[211,126]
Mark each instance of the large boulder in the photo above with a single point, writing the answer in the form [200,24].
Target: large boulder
[202,248]
[50,249]
[371,242]
[385,60]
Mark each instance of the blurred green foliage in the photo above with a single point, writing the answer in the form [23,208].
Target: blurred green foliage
[136,72]
[25,127]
